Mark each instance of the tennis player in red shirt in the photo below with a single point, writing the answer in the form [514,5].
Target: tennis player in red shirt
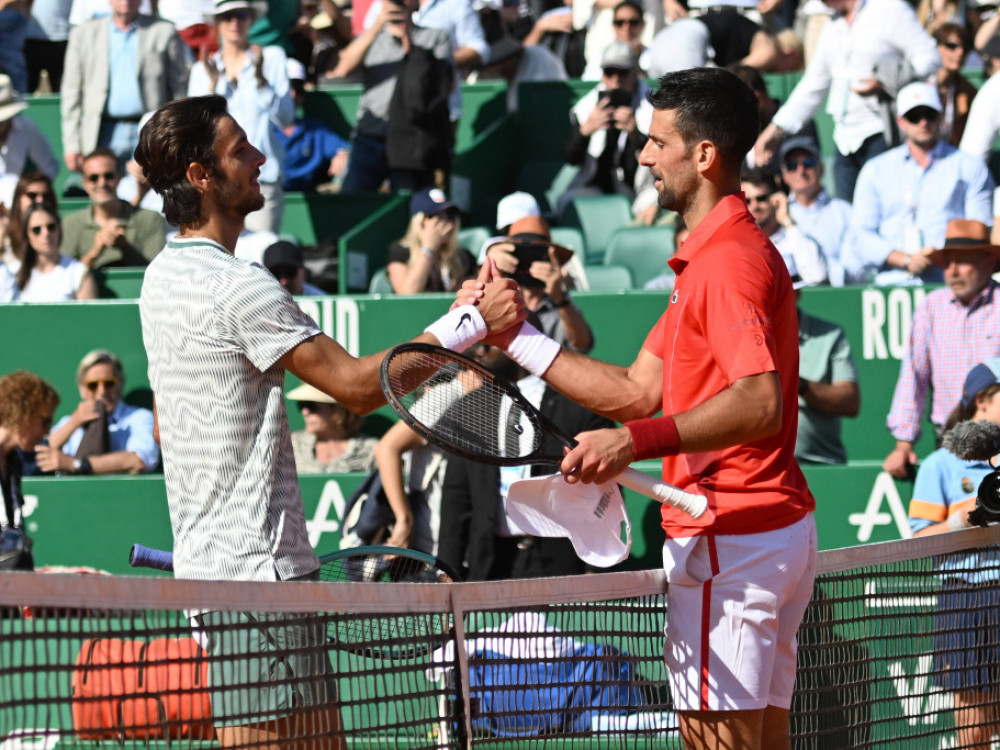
[722,364]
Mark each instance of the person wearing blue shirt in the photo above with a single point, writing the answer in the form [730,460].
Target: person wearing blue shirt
[130,447]
[254,81]
[905,197]
[313,153]
[966,654]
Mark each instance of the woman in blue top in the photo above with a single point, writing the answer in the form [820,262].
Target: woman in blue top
[967,636]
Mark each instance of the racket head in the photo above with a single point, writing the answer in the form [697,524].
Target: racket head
[381,637]
[461,406]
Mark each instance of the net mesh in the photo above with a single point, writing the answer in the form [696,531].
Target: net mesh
[899,648]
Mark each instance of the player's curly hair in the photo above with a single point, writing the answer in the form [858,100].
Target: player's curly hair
[179,134]
[24,395]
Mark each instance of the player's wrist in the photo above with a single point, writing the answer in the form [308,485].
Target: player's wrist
[654,437]
[533,350]
[459,329]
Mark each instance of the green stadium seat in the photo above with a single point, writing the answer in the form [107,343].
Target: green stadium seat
[643,250]
[598,217]
[570,237]
[602,278]
[380,283]
[472,238]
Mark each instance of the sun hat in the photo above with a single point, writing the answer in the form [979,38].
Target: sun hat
[536,229]
[10,102]
[964,234]
[306,392]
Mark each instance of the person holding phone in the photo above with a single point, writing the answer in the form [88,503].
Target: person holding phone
[538,265]
[606,138]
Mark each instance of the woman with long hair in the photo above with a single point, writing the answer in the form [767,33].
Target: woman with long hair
[955,90]
[966,648]
[32,188]
[428,258]
[45,275]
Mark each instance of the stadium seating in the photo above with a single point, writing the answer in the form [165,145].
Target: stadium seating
[643,250]
[601,277]
[597,217]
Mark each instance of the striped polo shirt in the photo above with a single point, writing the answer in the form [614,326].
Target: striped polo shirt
[214,327]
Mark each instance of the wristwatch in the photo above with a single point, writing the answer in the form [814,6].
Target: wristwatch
[82,466]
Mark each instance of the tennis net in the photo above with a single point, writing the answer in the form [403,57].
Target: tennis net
[560,662]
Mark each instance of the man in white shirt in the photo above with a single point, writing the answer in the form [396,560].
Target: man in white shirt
[856,64]
[20,137]
[802,254]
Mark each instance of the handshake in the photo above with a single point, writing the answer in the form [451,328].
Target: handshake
[979,441]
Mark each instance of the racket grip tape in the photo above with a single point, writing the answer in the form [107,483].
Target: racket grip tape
[694,505]
[147,557]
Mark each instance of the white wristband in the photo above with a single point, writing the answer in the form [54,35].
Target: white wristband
[957,521]
[459,329]
[533,350]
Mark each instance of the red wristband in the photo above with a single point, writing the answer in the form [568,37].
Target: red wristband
[654,437]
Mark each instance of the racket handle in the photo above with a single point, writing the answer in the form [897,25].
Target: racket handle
[147,557]
[657,489]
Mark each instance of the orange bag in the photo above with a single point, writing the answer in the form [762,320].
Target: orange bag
[141,690]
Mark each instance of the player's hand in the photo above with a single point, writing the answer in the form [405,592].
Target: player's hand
[502,306]
[600,456]
[900,462]
[473,290]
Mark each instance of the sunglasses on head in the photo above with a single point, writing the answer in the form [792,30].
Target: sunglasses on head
[51,228]
[108,384]
[952,45]
[627,22]
[38,197]
[96,176]
[807,162]
[237,15]
[914,116]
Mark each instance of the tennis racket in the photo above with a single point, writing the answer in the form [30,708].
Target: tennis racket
[488,419]
[375,636]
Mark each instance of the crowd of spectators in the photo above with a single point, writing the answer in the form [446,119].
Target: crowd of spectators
[905,196]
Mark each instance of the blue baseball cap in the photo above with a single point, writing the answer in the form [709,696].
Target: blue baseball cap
[981,376]
[430,202]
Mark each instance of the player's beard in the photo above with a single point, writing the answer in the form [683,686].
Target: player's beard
[241,199]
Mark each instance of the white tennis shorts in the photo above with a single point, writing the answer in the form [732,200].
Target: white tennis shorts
[734,606]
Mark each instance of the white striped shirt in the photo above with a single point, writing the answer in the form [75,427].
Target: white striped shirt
[214,327]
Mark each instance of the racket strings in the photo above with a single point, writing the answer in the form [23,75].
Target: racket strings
[464,407]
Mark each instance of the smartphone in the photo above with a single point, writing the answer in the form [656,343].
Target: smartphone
[618,98]
[528,252]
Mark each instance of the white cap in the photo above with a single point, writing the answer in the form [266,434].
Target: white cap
[516,206]
[591,515]
[917,94]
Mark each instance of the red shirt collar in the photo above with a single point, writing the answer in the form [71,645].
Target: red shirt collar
[723,211]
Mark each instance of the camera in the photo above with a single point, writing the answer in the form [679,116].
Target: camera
[987,508]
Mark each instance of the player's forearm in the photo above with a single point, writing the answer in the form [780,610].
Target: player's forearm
[612,391]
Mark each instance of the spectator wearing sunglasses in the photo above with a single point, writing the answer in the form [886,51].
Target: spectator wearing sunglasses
[955,90]
[32,188]
[628,24]
[816,213]
[332,442]
[45,275]
[111,231]
[905,197]
[126,431]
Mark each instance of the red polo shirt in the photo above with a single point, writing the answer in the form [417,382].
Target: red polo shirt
[731,315]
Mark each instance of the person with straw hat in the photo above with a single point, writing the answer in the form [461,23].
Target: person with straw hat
[953,329]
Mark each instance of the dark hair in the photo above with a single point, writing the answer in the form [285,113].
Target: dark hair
[964,413]
[107,153]
[759,177]
[179,134]
[711,104]
[750,76]
[630,4]
[28,254]
[945,30]
[16,218]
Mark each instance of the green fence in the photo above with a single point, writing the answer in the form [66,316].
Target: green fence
[94,521]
